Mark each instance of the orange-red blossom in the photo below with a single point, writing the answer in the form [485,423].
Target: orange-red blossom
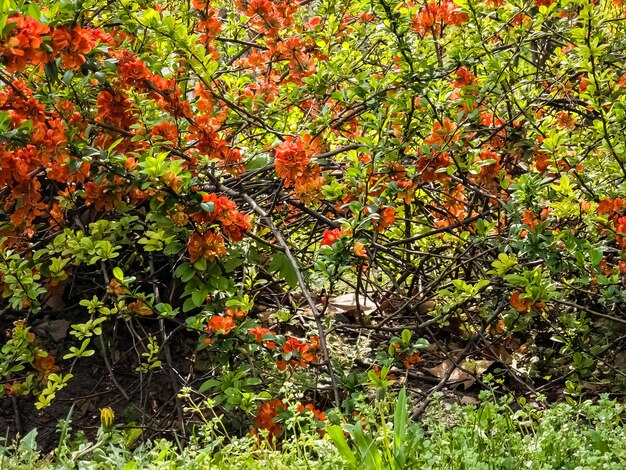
[208,245]
[299,354]
[522,304]
[219,325]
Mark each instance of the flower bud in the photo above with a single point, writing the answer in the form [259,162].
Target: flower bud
[107,417]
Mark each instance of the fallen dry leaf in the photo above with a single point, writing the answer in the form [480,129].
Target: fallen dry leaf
[347,303]
[56,329]
[474,368]
[467,400]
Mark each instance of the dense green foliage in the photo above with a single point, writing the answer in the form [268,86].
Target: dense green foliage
[279,211]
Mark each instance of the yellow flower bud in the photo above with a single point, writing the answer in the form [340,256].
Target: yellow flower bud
[107,417]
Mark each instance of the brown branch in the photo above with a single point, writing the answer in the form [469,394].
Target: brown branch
[303,287]
[455,365]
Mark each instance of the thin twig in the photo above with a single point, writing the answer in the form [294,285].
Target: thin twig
[303,287]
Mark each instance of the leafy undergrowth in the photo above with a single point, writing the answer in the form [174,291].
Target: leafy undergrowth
[492,434]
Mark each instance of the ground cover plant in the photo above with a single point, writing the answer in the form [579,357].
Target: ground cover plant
[494,434]
[275,212]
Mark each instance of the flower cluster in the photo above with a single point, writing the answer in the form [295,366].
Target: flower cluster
[301,63]
[293,353]
[208,142]
[291,160]
[267,415]
[318,414]
[209,26]
[41,146]
[134,73]
[223,211]
[432,17]
[32,43]
[209,245]
[260,333]
[331,236]
[386,216]
[115,109]
[269,16]
[296,353]
[105,195]
[273,412]
[218,325]
[614,209]
[222,325]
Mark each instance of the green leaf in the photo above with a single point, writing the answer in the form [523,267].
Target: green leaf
[198,297]
[281,264]
[406,336]
[399,429]
[211,383]
[339,440]
[188,305]
[118,274]
[368,450]
[208,206]
[595,256]
[232,263]
[200,265]
[50,69]
[130,436]
[34,10]
[29,442]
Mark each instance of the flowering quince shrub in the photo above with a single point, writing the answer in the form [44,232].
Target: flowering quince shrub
[193,185]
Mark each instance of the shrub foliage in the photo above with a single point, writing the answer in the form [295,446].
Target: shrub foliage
[269,201]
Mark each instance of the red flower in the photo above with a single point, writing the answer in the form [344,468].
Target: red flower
[140,308]
[209,245]
[114,108]
[268,412]
[432,17]
[318,414]
[331,236]
[104,196]
[220,325]
[234,224]
[167,130]
[529,219]
[359,249]
[134,72]
[443,132]
[387,218]
[292,344]
[299,354]
[291,160]
[45,365]
[23,44]
[611,206]
[520,304]
[259,332]
[235,313]
[464,78]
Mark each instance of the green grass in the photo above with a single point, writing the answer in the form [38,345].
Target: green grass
[491,435]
